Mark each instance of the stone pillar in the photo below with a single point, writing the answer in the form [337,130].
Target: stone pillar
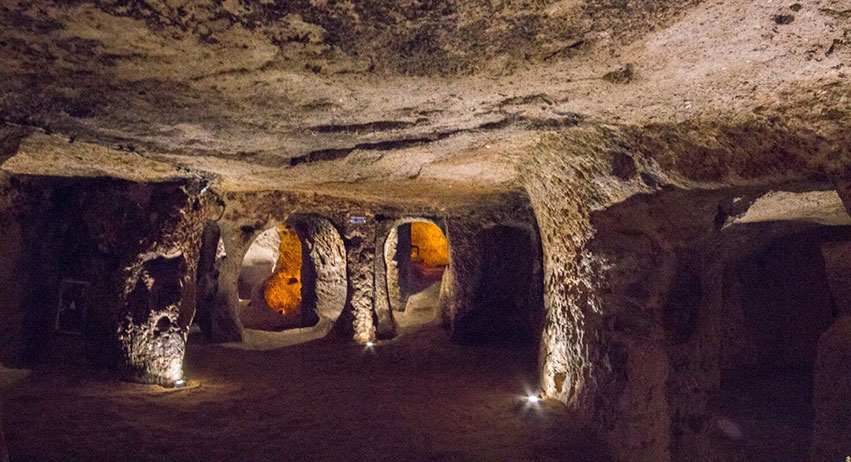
[152,341]
[360,263]
[225,325]
[142,300]
[391,266]
[157,303]
[458,288]
[402,257]
[832,394]
[326,254]
[208,277]
[386,328]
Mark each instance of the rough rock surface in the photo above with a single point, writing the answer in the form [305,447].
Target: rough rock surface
[837,256]
[152,339]
[158,300]
[584,365]
[326,256]
[210,259]
[636,138]
[393,267]
[360,258]
[104,232]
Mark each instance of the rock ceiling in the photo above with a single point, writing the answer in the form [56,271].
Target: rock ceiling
[277,94]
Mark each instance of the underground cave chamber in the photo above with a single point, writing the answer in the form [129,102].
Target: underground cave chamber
[416,255]
[782,291]
[425,230]
[744,299]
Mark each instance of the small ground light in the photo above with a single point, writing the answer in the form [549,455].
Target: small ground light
[534,399]
[179,383]
[369,344]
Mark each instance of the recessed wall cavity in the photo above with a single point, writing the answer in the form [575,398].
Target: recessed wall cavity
[782,293]
[507,301]
[416,255]
[702,322]
[270,282]
[293,276]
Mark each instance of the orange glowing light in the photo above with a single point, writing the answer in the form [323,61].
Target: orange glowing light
[282,290]
[429,244]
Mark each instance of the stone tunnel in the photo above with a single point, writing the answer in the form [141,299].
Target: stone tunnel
[551,230]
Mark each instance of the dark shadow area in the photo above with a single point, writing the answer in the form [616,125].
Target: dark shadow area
[786,304]
[508,304]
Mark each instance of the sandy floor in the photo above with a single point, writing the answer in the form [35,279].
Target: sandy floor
[417,398]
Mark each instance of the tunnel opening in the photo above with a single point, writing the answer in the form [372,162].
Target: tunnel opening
[735,286]
[416,257]
[271,281]
[292,283]
[507,304]
[786,304]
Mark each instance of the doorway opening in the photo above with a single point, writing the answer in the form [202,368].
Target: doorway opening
[508,302]
[270,282]
[416,257]
[786,305]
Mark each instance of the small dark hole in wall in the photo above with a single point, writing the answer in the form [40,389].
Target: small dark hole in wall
[784,19]
[163,324]
[623,166]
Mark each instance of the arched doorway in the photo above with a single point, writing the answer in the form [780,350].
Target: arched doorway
[293,276]
[416,254]
[270,282]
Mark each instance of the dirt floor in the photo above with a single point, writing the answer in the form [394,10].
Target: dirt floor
[417,398]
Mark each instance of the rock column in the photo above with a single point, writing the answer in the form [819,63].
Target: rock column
[460,282]
[145,303]
[360,238]
[385,327]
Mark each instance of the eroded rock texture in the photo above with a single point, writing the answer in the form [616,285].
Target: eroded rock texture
[159,288]
[360,257]
[210,259]
[633,290]
[106,234]
[151,337]
[655,154]
[324,269]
